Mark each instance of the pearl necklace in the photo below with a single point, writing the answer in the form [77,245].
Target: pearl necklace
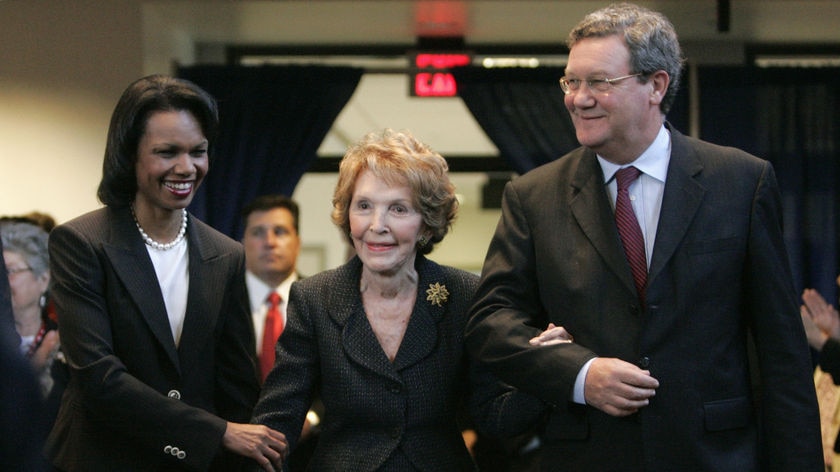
[162,246]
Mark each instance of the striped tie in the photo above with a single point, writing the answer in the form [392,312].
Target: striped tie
[628,229]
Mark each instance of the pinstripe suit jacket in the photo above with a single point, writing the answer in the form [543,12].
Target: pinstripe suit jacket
[132,392]
[718,271]
[380,414]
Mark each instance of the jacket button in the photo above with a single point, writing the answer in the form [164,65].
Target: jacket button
[167,449]
[181,455]
[174,394]
[174,451]
[644,362]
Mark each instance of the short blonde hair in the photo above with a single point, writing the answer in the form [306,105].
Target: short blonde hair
[399,159]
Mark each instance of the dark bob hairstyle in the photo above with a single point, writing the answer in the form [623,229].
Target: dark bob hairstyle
[138,102]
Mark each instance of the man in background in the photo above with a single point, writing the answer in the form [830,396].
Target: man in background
[272,244]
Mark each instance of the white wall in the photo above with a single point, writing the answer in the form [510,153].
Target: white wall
[63,64]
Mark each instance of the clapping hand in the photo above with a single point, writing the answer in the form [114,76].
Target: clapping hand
[820,319]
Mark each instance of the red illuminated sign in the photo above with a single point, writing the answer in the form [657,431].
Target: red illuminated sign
[431,76]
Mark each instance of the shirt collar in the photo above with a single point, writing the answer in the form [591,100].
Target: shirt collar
[652,162]
[258,290]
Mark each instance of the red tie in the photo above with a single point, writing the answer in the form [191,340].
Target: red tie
[273,328]
[628,229]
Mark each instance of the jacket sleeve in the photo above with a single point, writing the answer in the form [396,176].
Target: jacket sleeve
[289,388]
[507,312]
[790,417]
[501,411]
[830,359]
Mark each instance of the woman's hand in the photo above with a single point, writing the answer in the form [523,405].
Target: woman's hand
[261,443]
[552,335]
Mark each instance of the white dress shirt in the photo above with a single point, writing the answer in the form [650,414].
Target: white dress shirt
[172,268]
[258,292]
[646,197]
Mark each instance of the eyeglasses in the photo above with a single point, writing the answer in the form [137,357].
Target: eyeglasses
[16,270]
[598,85]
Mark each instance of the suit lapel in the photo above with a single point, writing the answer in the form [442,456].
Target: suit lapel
[357,338]
[133,266]
[680,201]
[421,334]
[591,207]
[361,346]
[206,269]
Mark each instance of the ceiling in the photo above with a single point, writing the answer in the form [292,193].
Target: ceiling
[189,31]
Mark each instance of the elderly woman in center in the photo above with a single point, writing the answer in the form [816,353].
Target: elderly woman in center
[381,337]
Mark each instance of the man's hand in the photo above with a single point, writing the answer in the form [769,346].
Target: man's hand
[261,443]
[618,388]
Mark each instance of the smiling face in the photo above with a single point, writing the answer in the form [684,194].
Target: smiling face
[171,160]
[384,225]
[621,123]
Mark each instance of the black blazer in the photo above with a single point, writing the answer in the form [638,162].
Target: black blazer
[381,415]
[718,270]
[133,397]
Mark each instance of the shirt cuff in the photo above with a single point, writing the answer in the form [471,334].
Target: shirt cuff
[580,381]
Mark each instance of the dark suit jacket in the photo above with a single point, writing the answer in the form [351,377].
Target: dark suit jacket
[132,395]
[719,268]
[380,415]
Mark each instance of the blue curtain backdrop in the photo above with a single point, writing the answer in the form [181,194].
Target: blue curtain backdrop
[790,117]
[522,112]
[273,119]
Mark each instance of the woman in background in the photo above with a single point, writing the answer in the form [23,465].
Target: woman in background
[381,337]
[28,268]
[154,316]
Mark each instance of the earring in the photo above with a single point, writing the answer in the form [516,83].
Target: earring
[42,301]
[422,241]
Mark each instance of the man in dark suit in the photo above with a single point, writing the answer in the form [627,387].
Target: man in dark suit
[657,377]
[272,245]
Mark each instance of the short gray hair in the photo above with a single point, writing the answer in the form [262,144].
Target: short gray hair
[649,36]
[29,241]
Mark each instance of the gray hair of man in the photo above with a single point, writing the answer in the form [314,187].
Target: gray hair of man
[29,241]
[649,35]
